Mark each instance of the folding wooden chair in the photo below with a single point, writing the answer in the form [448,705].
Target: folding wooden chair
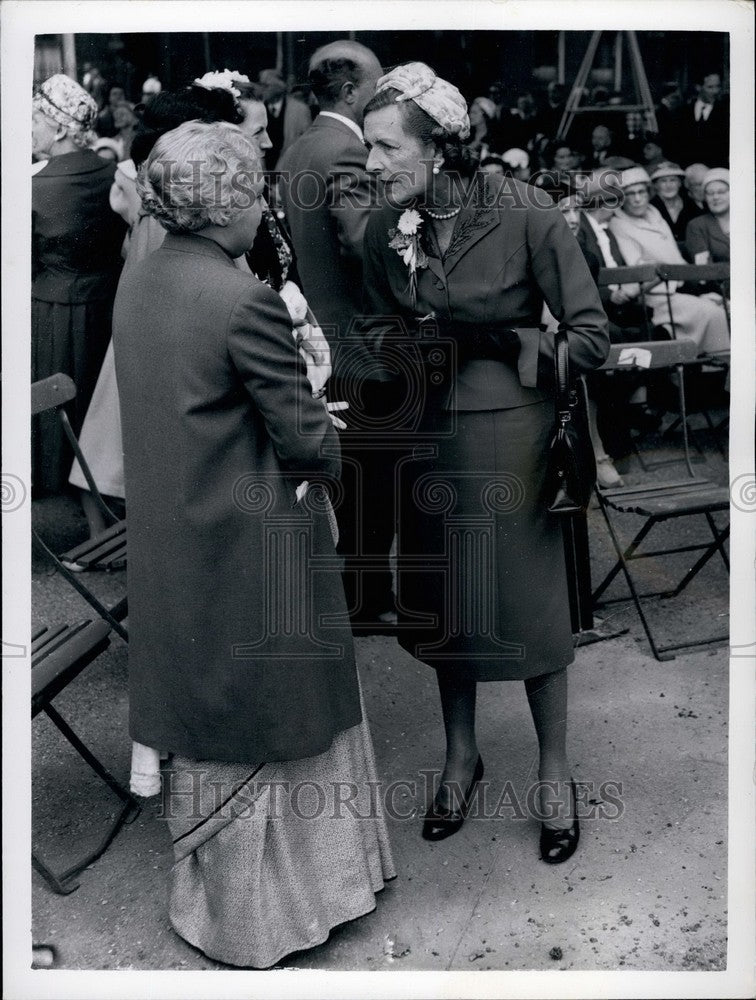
[659,502]
[107,551]
[58,656]
[700,274]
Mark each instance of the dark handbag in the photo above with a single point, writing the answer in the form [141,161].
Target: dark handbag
[571,463]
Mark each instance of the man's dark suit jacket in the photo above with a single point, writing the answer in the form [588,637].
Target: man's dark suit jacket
[628,314]
[704,141]
[327,195]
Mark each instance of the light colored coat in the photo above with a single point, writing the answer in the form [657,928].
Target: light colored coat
[649,240]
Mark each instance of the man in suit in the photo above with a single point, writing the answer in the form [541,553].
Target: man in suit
[327,196]
[288,117]
[703,126]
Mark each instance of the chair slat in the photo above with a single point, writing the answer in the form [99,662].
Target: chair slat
[693,272]
[43,637]
[58,667]
[638,274]
[48,393]
[100,547]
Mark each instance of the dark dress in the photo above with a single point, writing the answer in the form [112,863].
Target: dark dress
[688,212]
[481,574]
[76,260]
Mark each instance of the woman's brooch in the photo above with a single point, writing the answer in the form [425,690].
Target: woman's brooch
[405,239]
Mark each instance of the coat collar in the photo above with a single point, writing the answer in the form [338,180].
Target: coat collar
[82,161]
[198,245]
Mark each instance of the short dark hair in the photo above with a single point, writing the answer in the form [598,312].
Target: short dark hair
[457,156]
[329,75]
[169,109]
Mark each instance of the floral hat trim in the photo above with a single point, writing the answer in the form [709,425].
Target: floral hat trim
[438,98]
[222,81]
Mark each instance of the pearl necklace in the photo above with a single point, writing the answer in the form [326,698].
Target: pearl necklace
[440,216]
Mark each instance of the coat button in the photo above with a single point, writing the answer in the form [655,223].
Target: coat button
[439,284]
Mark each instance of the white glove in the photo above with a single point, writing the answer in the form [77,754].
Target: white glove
[295,302]
[314,349]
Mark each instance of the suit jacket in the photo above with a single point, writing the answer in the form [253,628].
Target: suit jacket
[705,233]
[622,316]
[704,141]
[228,660]
[327,195]
[76,236]
[510,250]
[296,120]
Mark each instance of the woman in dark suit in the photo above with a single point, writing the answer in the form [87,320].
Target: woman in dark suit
[233,577]
[708,236]
[483,592]
[76,260]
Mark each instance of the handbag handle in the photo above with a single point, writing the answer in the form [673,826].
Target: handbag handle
[564,402]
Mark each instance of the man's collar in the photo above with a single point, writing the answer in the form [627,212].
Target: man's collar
[596,225]
[347,121]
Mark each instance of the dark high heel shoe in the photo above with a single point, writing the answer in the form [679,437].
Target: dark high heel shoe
[559,845]
[440,823]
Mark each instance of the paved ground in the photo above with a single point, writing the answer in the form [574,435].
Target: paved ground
[647,889]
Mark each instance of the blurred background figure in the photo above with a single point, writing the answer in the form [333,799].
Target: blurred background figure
[522,126]
[602,146]
[108,149]
[676,208]
[694,178]
[517,162]
[493,165]
[652,153]
[551,114]
[124,122]
[708,236]
[95,84]
[703,125]
[150,87]
[76,245]
[288,117]
[106,126]
[483,138]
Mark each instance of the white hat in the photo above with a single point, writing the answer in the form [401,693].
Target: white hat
[516,158]
[666,169]
[717,174]
[633,175]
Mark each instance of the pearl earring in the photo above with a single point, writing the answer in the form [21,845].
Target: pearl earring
[436,168]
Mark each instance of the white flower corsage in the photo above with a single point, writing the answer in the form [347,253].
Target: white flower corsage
[222,81]
[405,239]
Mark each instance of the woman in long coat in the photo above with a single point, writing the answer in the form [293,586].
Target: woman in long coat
[76,246]
[482,583]
[237,663]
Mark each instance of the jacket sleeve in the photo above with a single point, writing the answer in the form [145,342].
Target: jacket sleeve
[350,191]
[695,237]
[561,273]
[263,350]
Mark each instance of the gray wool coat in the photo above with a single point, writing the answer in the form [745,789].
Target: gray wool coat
[231,581]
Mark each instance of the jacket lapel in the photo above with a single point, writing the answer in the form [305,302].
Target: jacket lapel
[476,220]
